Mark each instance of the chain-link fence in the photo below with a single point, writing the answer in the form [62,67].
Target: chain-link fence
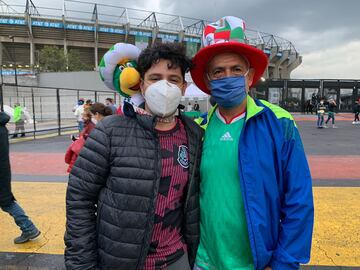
[47,109]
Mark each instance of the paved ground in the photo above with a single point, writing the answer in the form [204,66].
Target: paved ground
[39,175]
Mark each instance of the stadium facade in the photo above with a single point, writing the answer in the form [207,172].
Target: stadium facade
[92,29]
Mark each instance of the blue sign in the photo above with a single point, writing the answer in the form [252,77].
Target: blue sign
[111,30]
[191,39]
[18,72]
[12,21]
[80,27]
[47,24]
[141,34]
[168,37]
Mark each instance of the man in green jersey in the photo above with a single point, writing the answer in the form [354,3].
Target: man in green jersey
[255,192]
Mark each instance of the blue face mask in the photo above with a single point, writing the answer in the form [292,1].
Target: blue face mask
[229,92]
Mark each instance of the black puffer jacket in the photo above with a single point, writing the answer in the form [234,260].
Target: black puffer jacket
[119,170]
[6,196]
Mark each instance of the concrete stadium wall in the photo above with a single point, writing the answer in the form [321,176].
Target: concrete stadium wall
[88,80]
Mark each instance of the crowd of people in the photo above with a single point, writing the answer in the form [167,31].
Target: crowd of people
[326,107]
[329,107]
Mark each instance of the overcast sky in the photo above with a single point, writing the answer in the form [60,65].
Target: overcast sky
[325,32]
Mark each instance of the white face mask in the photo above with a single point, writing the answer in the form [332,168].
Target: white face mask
[162,98]
[94,121]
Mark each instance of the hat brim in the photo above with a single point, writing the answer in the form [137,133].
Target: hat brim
[257,59]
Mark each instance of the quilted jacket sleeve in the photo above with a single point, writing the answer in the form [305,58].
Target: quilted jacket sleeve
[87,178]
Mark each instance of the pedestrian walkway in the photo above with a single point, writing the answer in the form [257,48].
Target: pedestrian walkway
[40,177]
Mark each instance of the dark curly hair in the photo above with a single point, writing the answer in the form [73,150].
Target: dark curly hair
[174,52]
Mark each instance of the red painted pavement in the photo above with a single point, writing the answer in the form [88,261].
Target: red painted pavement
[322,167]
[38,163]
[334,167]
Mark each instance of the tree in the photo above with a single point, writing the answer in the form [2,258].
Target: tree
[53,59]
[74,62]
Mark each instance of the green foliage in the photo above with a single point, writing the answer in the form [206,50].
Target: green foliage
[53,59]
[74,62]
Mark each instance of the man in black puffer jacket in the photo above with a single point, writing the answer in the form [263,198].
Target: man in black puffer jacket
[133,195]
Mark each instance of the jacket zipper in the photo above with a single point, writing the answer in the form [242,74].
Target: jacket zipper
[151,220]
[247,212]
[191,180]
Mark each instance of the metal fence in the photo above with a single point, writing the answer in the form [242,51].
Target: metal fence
[294,95]
[47,109]
[51,109]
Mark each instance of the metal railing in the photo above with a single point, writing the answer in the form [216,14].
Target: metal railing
[47,109]
[50,109]
[295,95]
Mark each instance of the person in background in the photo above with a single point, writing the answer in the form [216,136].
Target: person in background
[331,112]
[99,111]
[321,109]
[109,102]
[89,125]
[80,102]
[88,104]
[356,112]
[314,100]
[196,106]
[189,107]
[96,113]
[19,119]
[8,202]
[78,113]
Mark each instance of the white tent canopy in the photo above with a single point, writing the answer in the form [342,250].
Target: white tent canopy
[192,91]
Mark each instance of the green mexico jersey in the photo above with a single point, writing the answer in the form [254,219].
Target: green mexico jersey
[224,240]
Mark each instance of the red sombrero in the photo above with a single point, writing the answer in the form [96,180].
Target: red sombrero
[226,35]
